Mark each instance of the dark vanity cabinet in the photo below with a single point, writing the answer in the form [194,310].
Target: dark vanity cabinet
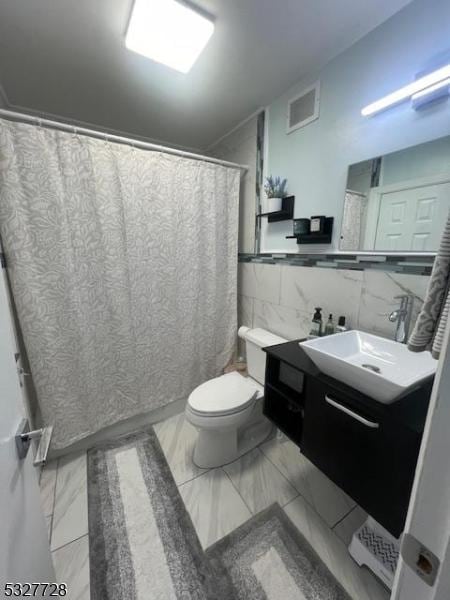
[284,398]
[367,448]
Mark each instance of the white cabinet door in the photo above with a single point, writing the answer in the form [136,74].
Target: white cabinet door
[412,219]
[24,547]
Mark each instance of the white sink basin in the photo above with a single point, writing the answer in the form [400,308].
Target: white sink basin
[373,365]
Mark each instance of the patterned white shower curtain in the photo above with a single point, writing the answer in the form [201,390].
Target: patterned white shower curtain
[353,221]
[123,267]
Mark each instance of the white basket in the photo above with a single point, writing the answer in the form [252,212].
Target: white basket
[377,549]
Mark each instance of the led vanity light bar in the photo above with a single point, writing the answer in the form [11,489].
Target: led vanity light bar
[424,84]
[430,90]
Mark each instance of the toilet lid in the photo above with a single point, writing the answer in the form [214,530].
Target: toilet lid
[224,395]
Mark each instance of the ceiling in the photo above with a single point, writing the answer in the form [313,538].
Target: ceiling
[67,58]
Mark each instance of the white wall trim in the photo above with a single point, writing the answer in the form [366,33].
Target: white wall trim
[436,179]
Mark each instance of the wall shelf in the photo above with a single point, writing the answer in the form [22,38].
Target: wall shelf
[316,238]
[285,214]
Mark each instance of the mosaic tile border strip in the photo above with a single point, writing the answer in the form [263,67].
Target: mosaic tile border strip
[412,265]
[260,127]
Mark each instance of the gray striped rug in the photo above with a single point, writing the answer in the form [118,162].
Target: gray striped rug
[267,558]
[143,545]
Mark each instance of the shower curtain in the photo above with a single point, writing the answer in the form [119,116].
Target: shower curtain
[123,268]
[353,221]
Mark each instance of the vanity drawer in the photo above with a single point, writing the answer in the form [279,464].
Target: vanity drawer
[357,450]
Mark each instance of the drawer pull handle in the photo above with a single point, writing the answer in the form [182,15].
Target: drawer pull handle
[352,414]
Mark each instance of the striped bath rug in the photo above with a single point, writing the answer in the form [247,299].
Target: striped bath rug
[267,558]
[143,545]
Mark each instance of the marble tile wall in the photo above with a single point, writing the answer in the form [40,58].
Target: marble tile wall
[282,298]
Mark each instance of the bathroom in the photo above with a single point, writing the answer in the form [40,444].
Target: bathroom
[224,344]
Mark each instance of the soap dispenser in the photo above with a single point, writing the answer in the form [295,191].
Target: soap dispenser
[316,327]
[329,327]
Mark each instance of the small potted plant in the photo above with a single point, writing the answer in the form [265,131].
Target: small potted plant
[275,189]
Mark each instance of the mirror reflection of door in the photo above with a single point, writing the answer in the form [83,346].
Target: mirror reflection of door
[398,202]
[411,219]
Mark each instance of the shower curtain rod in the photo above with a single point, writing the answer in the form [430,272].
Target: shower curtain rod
[26,118]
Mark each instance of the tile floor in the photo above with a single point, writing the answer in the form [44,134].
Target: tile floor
[218,500]
[64,501]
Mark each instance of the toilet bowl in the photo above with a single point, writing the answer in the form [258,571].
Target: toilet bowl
[228,410]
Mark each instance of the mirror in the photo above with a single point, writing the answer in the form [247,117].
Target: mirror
[398,202]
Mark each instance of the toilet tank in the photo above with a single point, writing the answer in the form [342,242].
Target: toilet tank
[255,340]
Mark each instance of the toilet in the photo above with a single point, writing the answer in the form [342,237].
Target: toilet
[228,410]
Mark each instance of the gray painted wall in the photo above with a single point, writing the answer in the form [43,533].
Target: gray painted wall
[315,159]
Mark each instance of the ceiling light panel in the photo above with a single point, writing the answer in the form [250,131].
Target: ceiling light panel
[168,32]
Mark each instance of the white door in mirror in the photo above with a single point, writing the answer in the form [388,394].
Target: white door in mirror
[411,219]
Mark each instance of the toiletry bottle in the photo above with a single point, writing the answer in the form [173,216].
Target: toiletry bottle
[329,327]
[341,327]
[316,327]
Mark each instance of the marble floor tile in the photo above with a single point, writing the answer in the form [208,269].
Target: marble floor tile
[259,483]
[177,438]
[347,527]
[359,582]
[214,505]
[72,567]
[329,501]
[47,487]
[70,518]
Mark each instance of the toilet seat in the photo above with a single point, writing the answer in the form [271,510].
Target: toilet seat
[224,395]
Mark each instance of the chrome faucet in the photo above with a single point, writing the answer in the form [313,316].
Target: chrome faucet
[402,316]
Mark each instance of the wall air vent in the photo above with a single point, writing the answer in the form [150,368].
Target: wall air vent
[304,108]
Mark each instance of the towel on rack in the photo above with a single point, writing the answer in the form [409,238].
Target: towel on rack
[431,323]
